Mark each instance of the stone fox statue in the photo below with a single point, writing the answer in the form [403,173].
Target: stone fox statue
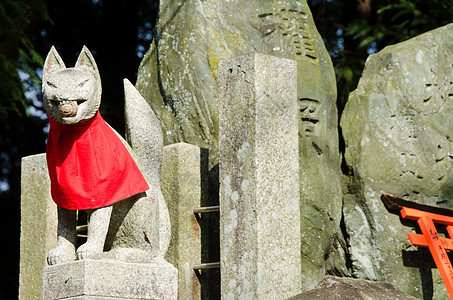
[91,168]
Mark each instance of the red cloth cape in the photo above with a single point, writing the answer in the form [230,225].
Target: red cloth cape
[89,167]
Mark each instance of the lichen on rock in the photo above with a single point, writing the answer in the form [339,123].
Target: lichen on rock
[397,129]
[178,77]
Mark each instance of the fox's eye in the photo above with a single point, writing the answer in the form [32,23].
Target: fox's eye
[83,83]
[51,84]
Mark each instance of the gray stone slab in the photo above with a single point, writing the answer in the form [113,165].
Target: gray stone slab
[38,225]
[259,178]
[109,279]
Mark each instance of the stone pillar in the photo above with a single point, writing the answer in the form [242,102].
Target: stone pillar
[38,225]
[181,185]
[259,178]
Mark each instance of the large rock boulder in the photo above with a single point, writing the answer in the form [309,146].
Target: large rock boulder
[337,288]
[178,76]
[397,128]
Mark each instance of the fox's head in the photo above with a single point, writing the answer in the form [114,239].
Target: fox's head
[71,95]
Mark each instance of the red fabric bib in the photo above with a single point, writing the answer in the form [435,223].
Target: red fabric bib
[89,167]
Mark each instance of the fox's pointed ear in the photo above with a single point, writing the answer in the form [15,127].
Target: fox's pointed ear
[52,64]
[86,61]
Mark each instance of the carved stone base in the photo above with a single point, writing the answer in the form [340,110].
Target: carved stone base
[110,279]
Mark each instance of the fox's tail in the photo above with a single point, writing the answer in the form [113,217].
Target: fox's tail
[144,135]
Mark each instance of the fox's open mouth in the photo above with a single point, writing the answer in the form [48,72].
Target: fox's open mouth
[67,108]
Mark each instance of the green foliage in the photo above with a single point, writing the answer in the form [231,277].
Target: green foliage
[17,53]
[20,134]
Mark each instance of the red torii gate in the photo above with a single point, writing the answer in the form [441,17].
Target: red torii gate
[427,216]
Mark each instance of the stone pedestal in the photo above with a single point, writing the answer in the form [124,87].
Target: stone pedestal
[259,178]
[109,279]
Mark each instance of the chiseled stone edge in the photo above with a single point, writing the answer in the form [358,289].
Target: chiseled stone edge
[110,278]
[259,178]
[38,225]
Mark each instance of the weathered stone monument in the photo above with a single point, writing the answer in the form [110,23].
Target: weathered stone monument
[129,275]
[259,178]
[179,78]
[182,173]
[397,129]
[256,91]
[130,229]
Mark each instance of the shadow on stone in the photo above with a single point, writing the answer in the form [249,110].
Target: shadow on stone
[422,260]
[209,224]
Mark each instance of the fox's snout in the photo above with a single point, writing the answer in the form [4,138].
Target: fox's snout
[67,108]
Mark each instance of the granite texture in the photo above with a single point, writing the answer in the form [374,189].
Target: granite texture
[64,88]
[181,185]
[101,279]
[259,183]
[144,134]
[38,225]
[337,288]
[397,129]
[73,96]
[136,229]
[178,77]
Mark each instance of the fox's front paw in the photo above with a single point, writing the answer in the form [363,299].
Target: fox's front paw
[62,253]
[90,251]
